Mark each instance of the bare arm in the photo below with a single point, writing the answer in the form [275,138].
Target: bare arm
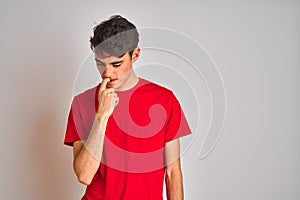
[87,154]
[174,185]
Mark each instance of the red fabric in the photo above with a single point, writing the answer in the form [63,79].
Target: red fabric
[132,165]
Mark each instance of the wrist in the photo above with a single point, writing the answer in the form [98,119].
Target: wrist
[101,117]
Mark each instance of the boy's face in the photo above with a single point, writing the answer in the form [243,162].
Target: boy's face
[118,69]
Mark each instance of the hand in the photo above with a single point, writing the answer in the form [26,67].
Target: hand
[107,99]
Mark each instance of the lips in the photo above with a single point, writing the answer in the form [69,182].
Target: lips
[112,80]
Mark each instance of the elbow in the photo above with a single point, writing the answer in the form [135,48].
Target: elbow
[85,174]
[174,170]
[173,173]
[82,176]
[83,179]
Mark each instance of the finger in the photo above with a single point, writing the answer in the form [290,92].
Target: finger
[103,84]
[109,91]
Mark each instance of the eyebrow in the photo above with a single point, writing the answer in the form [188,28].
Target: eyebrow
[112,63]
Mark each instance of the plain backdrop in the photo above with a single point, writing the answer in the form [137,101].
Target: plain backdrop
[255,45]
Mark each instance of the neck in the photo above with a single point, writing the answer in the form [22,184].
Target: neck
[131,81]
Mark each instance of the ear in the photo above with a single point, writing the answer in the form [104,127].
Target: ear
[135,54]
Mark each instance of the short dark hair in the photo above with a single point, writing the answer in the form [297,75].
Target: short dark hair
[115,36]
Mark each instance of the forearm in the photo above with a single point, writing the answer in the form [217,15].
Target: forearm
[87,159]
[174,185]
[94,143]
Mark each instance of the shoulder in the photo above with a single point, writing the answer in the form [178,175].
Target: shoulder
[150,88]
[87,95]
[162,94]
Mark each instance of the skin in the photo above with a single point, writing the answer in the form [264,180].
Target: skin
[118,69]
[117,74]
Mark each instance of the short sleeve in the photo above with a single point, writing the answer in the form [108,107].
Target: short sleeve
[74,124]
[177,125]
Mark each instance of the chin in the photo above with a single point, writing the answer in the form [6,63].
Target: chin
[111,86]
[115,86]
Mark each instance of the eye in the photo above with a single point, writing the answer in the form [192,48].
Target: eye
[117,65]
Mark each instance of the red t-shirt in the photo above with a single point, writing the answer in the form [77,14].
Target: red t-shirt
[132,164]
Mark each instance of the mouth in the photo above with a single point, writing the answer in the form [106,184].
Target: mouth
[112,81]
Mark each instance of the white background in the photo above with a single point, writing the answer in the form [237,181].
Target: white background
[255,45]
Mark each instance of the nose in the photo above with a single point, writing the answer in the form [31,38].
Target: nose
[108,71]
